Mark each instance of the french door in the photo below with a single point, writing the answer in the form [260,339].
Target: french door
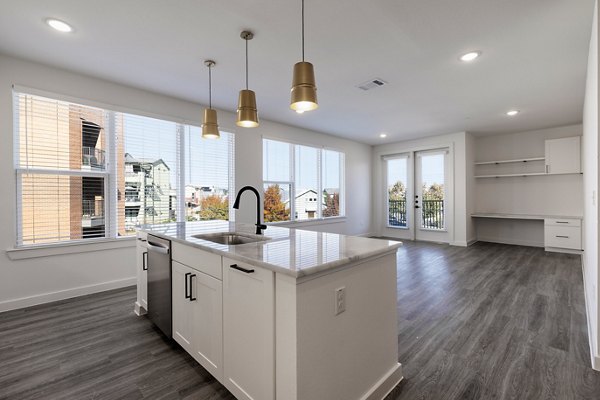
[416,198]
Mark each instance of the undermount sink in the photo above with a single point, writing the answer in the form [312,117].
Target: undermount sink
[231,238]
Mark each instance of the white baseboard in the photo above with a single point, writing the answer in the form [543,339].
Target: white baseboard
[385,385]
[594,358]
[471,242]
[64,294]
[559,250]
[517,242]
[459,243]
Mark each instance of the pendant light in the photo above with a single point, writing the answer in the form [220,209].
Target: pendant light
[210,128]
[304,88]
[247,114]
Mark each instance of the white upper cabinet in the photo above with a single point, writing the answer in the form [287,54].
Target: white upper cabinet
[563,156]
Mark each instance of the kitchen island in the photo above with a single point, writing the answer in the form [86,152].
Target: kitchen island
[288,315]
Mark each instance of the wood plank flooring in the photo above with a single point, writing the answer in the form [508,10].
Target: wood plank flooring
[487,322]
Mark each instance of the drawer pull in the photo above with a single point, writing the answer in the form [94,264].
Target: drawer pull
[562,222]
[235,266]
[560,236]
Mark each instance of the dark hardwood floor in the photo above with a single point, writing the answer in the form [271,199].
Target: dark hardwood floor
[487,322]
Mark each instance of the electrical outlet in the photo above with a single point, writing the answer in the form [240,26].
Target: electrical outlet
[340,300]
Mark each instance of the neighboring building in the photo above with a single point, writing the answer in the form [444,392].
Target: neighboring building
[306,204]
[72,139]
[148,194]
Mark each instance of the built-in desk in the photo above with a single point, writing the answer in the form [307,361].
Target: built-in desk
[561,232]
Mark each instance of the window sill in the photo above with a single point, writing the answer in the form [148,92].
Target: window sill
[398,227]
[308,222]
[56,249]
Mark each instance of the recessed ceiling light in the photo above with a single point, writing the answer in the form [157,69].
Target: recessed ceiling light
[383,135]
[512,113]
[59,25]
[470,56]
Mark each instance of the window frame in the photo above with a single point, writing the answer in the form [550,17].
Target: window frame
[109,175]
[292,182]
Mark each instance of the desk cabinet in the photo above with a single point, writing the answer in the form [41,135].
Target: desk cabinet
[562,233]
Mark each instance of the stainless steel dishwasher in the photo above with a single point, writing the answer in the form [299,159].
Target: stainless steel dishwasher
[159,283]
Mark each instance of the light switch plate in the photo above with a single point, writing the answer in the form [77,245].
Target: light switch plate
[340,300]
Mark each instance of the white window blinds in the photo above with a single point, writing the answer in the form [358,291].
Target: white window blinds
[84,172]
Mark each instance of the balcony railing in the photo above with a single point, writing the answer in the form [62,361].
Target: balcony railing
[432,214]
[92,208]
[92,213]
[93,157]
[397,213]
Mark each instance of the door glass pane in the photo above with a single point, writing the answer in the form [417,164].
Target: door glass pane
[432,191]
[397,181]
[307,185]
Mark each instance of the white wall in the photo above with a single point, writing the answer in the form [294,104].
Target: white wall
[590,187]
[458,174]
[34,280]
[548,194]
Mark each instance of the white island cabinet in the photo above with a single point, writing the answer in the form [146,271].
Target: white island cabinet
[296,315]
[248,317]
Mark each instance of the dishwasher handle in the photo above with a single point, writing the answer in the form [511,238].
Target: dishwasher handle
[158,247]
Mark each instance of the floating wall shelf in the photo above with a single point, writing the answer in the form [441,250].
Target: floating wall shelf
[509,175]
[510,161]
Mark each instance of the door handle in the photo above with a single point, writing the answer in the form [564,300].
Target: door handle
[157,247]
[235,266]
[145,261]
[192,298]
[187,296]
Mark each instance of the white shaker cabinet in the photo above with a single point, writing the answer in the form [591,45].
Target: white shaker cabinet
[248,312]
[563,156]
[198,316]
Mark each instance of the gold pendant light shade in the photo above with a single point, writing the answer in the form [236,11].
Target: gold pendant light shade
[304,88]
[210,127]
[247,114]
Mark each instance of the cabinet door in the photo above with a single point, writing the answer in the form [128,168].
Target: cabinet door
[142,274]
[207,308]
[248,331]
[182,306]
[563,156]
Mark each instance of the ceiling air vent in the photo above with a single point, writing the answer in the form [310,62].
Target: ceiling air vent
[371,84]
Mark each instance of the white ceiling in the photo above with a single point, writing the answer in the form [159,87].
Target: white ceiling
[534,57]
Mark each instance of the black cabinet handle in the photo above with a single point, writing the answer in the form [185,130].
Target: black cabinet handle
[565,237]
[145,261]
[562,222]
[192,298]
[235,266]
[187,296]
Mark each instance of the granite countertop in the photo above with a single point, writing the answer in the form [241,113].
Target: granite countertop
[293,252]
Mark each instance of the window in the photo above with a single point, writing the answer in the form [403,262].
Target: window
[311,176]
[84,172]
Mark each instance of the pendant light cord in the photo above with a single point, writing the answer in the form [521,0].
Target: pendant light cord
[302,30]
[246,63]
[209,87]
